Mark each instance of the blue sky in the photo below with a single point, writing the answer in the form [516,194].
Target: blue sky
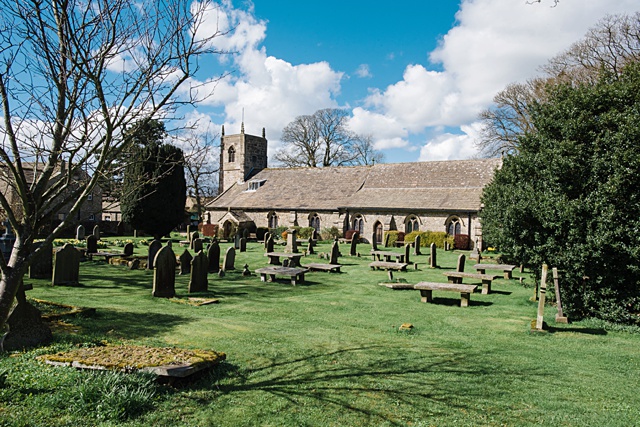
[413,74]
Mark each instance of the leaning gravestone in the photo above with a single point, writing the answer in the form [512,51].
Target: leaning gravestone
[433,262]
[335,253]
[374,242]
[96,232]
[353,251]
[154,247]
[460,266]
[270,244]
[416,246]
[185,262]
[243,244]
[407,252]
[199,266]
[292,241]
[92,244]
[213,254]
[66,267]
[164,273]
[128,249]
[80,232]
[41,266]
[229,259]
[196,245]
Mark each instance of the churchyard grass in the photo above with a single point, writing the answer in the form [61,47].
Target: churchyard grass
[328,353]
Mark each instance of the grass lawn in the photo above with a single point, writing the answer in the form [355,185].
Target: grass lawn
[328,353]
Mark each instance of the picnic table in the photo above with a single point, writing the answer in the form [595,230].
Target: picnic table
[506,268]
[387,255]
[269,274]
[294,258]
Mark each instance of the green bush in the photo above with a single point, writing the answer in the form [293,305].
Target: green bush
[305,232]
[429,237]
[393,237]
[330,233]
[277,232]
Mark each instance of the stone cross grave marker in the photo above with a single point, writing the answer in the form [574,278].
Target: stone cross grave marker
[41,266]
[80,232]
[433,261]
[213,254]
[461,261]
[198,280]
[292,241]
[416,246]
[96,231]
[164,273]
[229,259]
[92,244]
[185,262]
[353,250]
[66,267]
[154,247]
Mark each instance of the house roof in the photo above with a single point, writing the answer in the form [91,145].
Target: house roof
[442,185]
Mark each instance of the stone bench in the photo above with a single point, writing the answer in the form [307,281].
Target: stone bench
[456,277]
[387,255]
[295,274]
[333,268]
[506,268]
[385,265]
[294,258]
[426,289]
[106,255]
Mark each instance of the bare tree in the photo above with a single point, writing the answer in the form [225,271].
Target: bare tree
[366,154]
[322,139]
[73,75]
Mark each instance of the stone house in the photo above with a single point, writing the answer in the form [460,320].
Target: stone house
[426,196]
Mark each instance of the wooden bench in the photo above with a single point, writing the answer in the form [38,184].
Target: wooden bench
[333,268]
[426,289]
[384,265]
[294,259]
[295,274]
[456,277]
[378,255]
[506,268]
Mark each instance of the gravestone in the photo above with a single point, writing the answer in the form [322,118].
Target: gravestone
[386,240]
[96,232]
[198,280]
[475,253]
[416,246]
[267,236]
[128,249]
[270,244]
[154,247]
[560,317]
[433,263]
[292,241]
[213,254]
[335,253]
[229,259]
[460,266]
[185,262]
[80,232]
[447,246]
[189,233]
[374,243]
[236,241]
[245,233]
[66,266]
[353,250]
[192,238]
[407,252]
[196,245]
[541,302]
[92,244]
[41,266]
[243,244]
[164,273]
[310,250]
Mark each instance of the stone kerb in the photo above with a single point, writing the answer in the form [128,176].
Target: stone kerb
[164,273]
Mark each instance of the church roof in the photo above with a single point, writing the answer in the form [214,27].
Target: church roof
[442,185]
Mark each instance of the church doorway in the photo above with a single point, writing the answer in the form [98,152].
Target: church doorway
[378,230]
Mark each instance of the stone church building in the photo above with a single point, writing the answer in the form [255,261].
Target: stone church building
[433,196]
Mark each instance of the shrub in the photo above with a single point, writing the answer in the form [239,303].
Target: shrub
[305,232]
[278,232]
[329,233]
[393,237]
[429,237]
[349,234]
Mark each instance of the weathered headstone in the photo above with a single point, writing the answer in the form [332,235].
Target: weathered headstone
[461,261]
[292,241]
[185,262]
[407,252]
[560,317]
[213,254]
[447,246]
[80,232]
[229,259]
[154,247]
[433,263]
[66,266]
[164,273]
[243,244]
[386,240]
[266,238]
[310,245]
[196,245]
[353,250]
[541,302]
[335,253]
[192,238]
[236,241]
[41,266]
[128,249]
[416,246]
[96,231]
[270,244]
[92,244]
[374,243]
[198,280]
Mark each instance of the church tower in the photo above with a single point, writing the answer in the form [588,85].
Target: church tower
[241,157]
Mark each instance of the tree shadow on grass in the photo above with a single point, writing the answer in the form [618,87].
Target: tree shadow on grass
[131,325]
[456,302]
[370,381]
[588,331]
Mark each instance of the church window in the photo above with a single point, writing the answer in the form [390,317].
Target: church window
[232,154]
[314,222]
[358,224]
[411,224]
[455,226]
[273,220]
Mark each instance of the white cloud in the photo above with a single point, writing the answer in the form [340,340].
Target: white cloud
[385,131]
[363,71]
[450,147]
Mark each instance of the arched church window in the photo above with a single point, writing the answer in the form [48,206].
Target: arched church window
[232,154]
[411,223]
[358,224]
[273,220]
[314,222]
[454,227]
